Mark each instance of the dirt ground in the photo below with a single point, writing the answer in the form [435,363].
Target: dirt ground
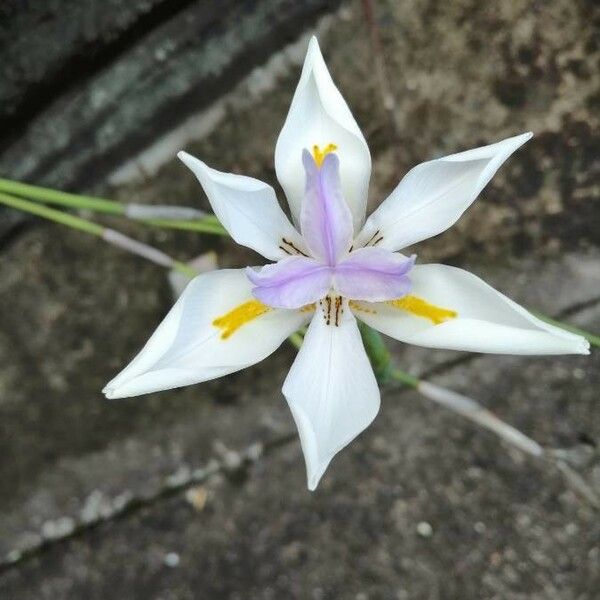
[423,505]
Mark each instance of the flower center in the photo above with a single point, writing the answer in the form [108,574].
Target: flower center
[332,309]
[319,155]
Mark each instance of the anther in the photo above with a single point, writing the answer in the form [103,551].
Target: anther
[338,306]
[293,247]
[328,319]
[319,155]
[372,238]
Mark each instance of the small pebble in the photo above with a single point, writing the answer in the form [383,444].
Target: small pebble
[197,497]
[180,477]
[172,559]
[13,556]
[160,54]
[255,452]
[571,529]
[58,528]
[424,529]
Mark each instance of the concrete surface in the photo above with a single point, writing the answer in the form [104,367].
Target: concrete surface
[423,505]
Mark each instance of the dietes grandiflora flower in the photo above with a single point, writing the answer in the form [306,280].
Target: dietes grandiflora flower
[331,267]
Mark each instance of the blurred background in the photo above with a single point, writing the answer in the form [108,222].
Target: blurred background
[96,97]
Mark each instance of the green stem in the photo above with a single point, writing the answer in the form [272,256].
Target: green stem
[593,339]
[42,194]
[377,351]
[78,223]
[209,224]
[184,269]
[208,218]
[51,214]
[296,340]
[404,378]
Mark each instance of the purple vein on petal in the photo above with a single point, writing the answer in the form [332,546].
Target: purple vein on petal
[325,218]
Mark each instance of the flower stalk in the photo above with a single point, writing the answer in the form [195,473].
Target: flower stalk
[173,217]
[51,214]
[51,196]
[379,355]
[107,234]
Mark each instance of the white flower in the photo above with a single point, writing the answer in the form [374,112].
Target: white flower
[332,268]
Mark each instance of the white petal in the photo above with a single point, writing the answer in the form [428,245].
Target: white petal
[433,195]
[487,321]
[319,115]
[331,390]
[187,348]
[247,208]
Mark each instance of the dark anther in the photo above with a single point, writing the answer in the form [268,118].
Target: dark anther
[291,245]
[372,238]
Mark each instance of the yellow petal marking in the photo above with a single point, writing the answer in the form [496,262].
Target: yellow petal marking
[361,307]
[421,308]
[319,155]
[244,313]
[307,308]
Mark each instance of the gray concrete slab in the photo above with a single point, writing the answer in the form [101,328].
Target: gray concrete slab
[424,504]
